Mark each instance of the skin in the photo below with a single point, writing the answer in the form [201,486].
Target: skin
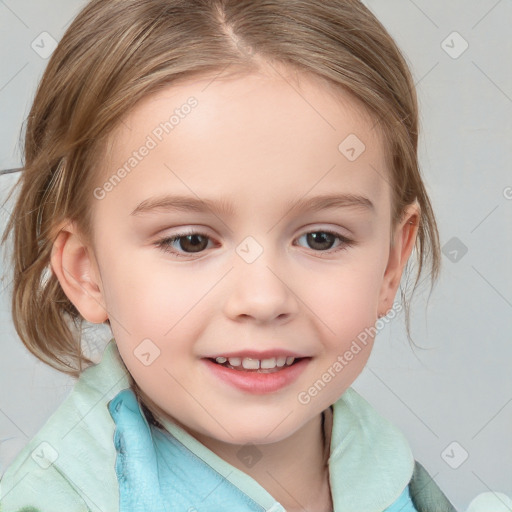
[260,140]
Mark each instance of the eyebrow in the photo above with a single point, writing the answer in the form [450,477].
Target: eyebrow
[224,207]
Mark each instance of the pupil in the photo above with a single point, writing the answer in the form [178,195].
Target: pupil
[194,243]
[320,238]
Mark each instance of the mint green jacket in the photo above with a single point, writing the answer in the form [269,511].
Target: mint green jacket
[69,465]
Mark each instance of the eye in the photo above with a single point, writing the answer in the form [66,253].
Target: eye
[323,241]
[188,243]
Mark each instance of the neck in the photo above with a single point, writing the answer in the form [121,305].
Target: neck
[306,451]
[294,471]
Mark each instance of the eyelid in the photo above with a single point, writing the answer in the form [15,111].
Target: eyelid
[346,242]
[164,243]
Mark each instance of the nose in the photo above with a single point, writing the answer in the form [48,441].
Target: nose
[260,292]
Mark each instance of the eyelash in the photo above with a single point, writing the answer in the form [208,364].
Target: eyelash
[165,243]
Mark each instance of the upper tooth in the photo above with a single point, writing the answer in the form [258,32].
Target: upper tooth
[268,363]
[250,364]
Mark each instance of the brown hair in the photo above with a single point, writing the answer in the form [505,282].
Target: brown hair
[117,52]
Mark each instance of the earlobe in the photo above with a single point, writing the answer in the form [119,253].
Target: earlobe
[404,239]
[73,263]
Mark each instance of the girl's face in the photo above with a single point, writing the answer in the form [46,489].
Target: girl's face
[285,190]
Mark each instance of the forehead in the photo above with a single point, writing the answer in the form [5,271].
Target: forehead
[267,132]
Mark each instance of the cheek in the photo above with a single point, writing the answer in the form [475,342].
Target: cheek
[345,300]
[346,309]
[156,313]
[149,301]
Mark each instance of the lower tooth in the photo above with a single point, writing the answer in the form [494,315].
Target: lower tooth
[260,370]
[242,369]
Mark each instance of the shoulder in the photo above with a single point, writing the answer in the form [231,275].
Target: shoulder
[70,463]
[371,462]
[379,455]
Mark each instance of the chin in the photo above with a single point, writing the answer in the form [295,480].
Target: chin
[261,433]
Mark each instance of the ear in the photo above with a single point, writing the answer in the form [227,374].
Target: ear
[74,264]
[402,243]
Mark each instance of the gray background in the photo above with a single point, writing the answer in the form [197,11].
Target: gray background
[458,390]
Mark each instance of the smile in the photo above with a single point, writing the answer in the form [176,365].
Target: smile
[257,379]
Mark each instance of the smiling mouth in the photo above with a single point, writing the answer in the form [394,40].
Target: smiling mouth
[250,365]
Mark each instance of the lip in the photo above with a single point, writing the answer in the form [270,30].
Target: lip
[253,354]
[258,383]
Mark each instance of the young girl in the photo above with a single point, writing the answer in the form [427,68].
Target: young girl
[233,187]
